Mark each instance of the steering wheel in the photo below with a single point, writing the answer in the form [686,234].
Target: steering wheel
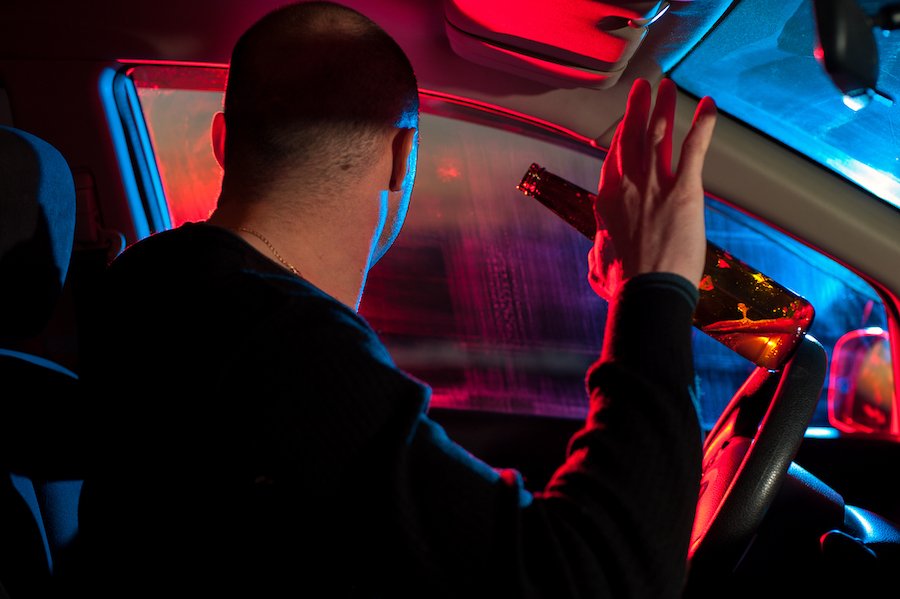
[745,459]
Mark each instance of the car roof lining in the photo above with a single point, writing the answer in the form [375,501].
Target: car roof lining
[814,205]
[206,30]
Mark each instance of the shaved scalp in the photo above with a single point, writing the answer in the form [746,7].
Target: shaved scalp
[313,87]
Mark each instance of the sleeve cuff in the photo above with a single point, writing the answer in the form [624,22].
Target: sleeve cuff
[649,327]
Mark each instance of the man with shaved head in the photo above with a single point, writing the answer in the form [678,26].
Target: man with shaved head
[263,441]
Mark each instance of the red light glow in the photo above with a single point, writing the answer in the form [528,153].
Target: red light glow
[507,113]
[193,185]
[861,397]
[447,172]
[582,76]
[573,29]
[172,63]
[217,73]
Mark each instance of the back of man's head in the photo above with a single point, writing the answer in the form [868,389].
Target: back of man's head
[312,89]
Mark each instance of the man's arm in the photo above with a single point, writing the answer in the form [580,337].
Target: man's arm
[615,520]
[632,474]
[428,519]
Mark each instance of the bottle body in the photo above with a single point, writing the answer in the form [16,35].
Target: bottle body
[739,306]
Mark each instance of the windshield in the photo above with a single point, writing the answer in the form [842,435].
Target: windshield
[759,65]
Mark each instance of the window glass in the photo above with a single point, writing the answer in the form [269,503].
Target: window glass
[760,67]
[484,295]
[178,105]
[842,300]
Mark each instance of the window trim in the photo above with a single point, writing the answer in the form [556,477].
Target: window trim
[141,156]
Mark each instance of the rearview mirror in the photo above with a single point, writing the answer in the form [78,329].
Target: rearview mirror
[861,384]
[847,50]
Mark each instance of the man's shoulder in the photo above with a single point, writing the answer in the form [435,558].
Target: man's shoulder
[326,324]
[195,262]
[181,245]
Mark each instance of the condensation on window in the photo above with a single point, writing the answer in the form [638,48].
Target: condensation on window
[484,295]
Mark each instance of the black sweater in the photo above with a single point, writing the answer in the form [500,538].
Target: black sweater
[261,440]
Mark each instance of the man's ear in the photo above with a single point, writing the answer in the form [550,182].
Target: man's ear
[401,145]
[218,137]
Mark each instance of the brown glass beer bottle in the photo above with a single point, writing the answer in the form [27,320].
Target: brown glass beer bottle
[739,306]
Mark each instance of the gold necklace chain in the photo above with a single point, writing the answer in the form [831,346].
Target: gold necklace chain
[262,238]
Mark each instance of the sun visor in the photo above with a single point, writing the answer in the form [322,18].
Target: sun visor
[565,43]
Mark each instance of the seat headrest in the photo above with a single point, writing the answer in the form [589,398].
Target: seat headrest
[37,227]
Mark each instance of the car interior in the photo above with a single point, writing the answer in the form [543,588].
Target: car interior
[105,113]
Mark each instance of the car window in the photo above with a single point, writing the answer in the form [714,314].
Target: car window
[178,104]
[484,295]
[842,300]
[760,65]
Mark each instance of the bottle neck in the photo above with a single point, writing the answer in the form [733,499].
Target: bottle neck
[572,203]
[538,181]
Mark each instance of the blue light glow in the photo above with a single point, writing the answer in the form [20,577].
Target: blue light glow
[821,432]
[867,526]
[123,156]
[843,301]
[759,65]
[855,103]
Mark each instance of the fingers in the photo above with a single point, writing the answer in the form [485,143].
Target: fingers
[659,133]
[610,173]
[693,151]
[632,140]
[654,221]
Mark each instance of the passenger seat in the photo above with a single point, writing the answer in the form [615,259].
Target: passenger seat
[39,467]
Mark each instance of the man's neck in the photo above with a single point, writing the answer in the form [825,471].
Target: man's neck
[331,252]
